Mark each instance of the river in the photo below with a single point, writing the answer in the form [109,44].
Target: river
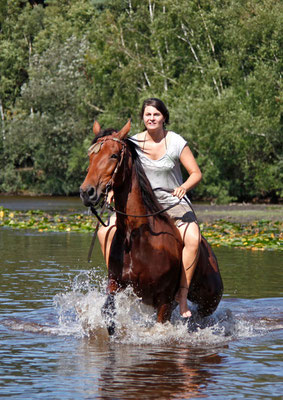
[54,344]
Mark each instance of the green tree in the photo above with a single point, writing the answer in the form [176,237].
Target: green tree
[216,64]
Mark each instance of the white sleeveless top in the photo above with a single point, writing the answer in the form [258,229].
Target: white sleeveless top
[164,173]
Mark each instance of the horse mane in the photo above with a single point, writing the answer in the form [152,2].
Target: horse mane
[149,199]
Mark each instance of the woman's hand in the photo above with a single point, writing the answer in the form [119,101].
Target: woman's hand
[179,192]
[110,197]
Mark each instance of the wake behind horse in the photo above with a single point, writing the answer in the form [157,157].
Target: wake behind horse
[146,250]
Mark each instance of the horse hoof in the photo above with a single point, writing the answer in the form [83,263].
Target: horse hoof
[111,330]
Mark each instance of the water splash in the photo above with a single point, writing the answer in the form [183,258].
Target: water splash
[79,309]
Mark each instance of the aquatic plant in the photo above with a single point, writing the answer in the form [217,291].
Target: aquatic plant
[256,235]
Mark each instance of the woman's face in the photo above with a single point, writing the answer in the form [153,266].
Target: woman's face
[152,118]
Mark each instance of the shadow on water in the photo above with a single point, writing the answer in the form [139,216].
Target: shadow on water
[55,345]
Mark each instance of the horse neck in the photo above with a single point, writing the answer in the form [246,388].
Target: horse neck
[128,199]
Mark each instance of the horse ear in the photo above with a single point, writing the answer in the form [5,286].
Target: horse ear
[124,131]
[96,128]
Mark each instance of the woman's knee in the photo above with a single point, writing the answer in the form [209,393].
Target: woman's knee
[104,231]
[101,234]
[192,236]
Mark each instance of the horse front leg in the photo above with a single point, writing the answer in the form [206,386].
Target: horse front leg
[164,312]
[109,310]
[108,313]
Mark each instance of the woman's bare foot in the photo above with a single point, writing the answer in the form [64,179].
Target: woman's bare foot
[181,298]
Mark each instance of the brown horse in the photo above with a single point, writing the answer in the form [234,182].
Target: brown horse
[146,250]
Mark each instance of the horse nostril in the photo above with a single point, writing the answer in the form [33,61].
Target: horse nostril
[90,192]
[88,195]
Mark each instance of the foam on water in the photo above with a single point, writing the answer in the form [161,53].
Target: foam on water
[79,311]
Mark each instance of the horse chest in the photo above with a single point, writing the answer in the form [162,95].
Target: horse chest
[144,258]
[128,256]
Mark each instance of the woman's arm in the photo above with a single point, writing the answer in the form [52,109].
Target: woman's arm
[189,162]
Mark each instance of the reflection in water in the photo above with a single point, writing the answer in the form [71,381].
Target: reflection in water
[128,372]
[163,375]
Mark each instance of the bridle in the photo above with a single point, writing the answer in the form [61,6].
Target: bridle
[95,148]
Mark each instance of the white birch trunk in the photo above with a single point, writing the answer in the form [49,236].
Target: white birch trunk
[151,7]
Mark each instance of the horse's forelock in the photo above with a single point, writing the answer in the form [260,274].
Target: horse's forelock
[103,133]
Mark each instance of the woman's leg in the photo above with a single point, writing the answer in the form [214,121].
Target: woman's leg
[191,236]
[105,236]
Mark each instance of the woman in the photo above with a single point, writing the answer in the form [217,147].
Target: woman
[161,152]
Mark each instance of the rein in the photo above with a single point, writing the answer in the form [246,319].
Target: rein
[100,221]
[96,230]
[142,216]
[98,216]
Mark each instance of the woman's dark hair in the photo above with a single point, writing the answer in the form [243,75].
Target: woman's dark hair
[159,105]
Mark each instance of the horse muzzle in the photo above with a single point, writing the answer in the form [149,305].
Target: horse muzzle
[90,196]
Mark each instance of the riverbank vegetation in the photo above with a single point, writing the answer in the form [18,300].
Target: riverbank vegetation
[216,64]
[256,235]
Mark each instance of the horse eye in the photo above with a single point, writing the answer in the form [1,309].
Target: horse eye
[114,156]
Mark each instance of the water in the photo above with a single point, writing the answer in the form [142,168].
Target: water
[54,343]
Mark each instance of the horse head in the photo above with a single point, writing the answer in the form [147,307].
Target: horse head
[105,157]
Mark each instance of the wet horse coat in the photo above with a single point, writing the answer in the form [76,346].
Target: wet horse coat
[146,251]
